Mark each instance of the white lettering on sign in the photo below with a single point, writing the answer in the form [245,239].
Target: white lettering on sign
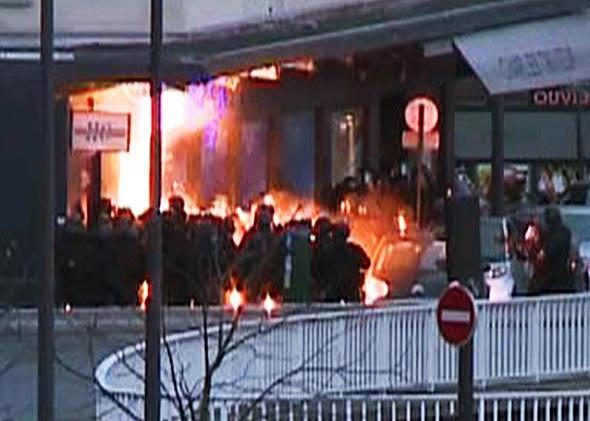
[99,131]
[455,316]
[562,97]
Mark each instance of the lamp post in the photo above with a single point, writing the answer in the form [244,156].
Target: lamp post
[154,267]
[45,309]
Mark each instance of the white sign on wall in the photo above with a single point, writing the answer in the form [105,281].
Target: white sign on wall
[95,131]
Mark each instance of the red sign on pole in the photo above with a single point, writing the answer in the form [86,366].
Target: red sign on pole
[430,114]
[456,315]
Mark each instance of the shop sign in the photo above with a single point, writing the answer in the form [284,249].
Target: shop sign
[561,97]
[94,131]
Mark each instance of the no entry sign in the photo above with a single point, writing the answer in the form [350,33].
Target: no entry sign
[456,315]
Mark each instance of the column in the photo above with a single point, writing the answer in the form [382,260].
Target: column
[497,187]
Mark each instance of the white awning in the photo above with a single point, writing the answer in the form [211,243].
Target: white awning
[531,55]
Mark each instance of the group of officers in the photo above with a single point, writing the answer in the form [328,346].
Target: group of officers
[544,245]
[299,261]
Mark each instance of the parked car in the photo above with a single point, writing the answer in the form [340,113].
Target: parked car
[577,194]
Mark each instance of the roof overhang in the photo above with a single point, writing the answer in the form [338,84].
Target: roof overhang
[398,24]
[531,55]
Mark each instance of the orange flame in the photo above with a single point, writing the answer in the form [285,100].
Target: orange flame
[374,289]
[402,225]
[235,299]
[269,305]
[269,200]
[345,206]
[271,73]
[220,207]
[143,294]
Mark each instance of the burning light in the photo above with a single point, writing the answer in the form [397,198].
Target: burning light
[345,207]
[235,299]
[402,225]
[67,308]
[143,293]
[268,304]
[269,200]
[272,73]
[374,289]
[531,234]
[306,65]
[220,207]
[229,82]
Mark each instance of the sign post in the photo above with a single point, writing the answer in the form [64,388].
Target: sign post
[46,305]
[456,315]
[421,116]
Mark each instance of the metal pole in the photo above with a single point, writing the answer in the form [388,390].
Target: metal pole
[466,382]
[45,334]
[448,134]
[497,156]
[419,169]
[154,267]
[579,139]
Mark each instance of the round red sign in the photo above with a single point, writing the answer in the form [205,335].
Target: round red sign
[430,114]
[456,315]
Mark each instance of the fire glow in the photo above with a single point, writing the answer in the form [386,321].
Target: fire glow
[269,305]
[203,109]
[235,299]
[143,294]
[374,289]
[185,113]
[402,225]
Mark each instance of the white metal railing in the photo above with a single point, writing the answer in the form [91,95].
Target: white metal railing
[393,348]
[400,348]
[566,405]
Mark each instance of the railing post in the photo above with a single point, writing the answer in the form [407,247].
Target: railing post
[480,371]
[348,410]
[432,340]
[535,349]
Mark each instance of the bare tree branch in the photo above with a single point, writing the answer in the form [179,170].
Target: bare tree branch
[177,395]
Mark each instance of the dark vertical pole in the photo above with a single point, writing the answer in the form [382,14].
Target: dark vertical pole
[580,141]
[45,334]
[419,164]
[448,134]
[94,196]
[154,305]
[465,380]
[497,156]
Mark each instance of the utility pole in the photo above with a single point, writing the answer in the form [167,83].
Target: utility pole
[154,266]
[45,309]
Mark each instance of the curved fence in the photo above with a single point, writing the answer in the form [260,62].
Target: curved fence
[380,350]
[565,405]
